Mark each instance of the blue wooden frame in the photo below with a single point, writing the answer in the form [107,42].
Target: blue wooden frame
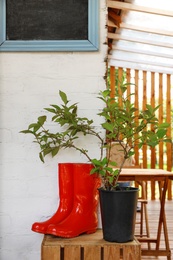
[91,44]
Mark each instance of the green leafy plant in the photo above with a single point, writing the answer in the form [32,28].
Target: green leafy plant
[122,122]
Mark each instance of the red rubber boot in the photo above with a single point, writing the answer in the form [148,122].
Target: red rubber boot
[66,190]
[83,218]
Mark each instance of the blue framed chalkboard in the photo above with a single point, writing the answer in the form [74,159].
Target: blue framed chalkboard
[72,26]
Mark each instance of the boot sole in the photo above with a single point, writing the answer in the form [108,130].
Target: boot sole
[91,231]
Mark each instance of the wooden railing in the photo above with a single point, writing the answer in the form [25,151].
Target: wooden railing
[155,89]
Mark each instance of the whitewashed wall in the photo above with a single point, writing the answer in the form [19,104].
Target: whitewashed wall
[28,188]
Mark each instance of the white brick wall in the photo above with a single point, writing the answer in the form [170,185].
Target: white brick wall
[28,83]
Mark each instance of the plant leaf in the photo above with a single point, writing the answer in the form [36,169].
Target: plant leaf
[161,133]
[41,157]
[164,125]
[50,110]
[26,132]
[42,119]
[108,127]
[55,151]
[63,97]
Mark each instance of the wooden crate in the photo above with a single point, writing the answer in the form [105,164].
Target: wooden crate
[88,247]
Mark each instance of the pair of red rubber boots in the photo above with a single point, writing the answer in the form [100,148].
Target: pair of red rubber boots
[77,210]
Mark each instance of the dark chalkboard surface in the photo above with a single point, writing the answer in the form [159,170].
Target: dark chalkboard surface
[47,20]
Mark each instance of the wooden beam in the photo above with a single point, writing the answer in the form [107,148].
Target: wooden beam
[139,40]
[115,16]
[136,60]
[138,8]
[145,29]
[116,19]
[111,23]
[140,29]
[141,51]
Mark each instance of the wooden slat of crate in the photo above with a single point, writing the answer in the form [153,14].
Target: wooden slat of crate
[131,252]
[92,252]
[72,252]
[111,252]
[88,247]
[50,252]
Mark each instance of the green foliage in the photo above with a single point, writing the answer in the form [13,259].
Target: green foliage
[122,123]
[66,116]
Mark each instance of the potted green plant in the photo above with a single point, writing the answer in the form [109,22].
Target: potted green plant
[123,123]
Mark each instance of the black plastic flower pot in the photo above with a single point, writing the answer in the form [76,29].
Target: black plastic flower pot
[118,214]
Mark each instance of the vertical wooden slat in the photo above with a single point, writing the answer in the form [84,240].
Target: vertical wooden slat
[129,253]
[153,156]
[90,251]
[49,252]
[128,81]
[168,117]
[161,118]
[120,76]
[112,81]
[72,252]
[137,106]
[144,103]
[111,252]
[144,149]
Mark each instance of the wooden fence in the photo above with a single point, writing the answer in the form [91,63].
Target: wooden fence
[150,88]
